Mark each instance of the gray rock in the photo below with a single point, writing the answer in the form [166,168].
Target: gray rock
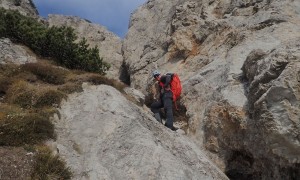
[13,53]
[238,61]
[137,95]
[102,135]
[274,100]
[239,65]
[25,7]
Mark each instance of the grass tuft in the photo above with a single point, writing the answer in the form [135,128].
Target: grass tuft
[49,98]
[19,129]
[29,96]
[49,166]
[46,72]
[98,79]
[22,94]
[70,88]
[9,70]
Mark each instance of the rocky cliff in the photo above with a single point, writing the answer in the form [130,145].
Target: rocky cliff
[239,63]
[102,135]
[25,7]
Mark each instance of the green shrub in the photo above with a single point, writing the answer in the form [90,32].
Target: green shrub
[21,129]
[56,42]
[48,166]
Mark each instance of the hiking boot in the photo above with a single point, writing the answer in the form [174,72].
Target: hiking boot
[174,128]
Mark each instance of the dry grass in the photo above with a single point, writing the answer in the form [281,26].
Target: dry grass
[19,127]
[22,94]
[29,96]
[49,166]
[49,97]
[96,79]
[70,87]
[46,72]
[9,70]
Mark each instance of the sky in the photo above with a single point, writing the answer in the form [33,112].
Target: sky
[113,14]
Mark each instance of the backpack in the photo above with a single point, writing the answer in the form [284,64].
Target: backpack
[175,87]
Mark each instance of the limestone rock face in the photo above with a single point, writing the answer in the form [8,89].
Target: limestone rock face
[274,94]
[239,65]
[25,7]
[12,53]
[108,43]
[138,96]
[102,135]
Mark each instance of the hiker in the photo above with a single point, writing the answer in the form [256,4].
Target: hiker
[166,99]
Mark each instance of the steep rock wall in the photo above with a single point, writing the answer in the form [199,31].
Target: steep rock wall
[239,62]
[102,135]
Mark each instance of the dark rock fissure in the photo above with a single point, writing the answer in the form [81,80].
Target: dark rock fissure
[239,165]
[2,93]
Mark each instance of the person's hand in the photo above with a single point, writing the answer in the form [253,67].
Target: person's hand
[167,88]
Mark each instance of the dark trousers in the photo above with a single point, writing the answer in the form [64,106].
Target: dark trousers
[166,103]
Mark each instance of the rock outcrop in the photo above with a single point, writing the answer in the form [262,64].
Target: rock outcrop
[239,62]
[13,53]
[25,7]
[102,135]
[108,43]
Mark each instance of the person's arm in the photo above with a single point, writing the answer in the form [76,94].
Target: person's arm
[166,79]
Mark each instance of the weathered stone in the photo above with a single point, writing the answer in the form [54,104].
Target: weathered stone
[236,53]
[25,7]
[12,53]
[239,65]
[102,135]
[137,95]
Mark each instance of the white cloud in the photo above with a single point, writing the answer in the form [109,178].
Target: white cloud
[114,14]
